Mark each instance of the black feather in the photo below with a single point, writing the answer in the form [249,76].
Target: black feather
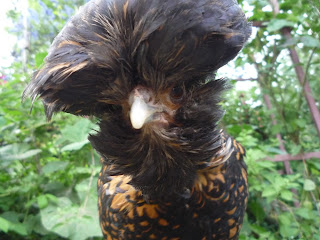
[164,162]
[109,46]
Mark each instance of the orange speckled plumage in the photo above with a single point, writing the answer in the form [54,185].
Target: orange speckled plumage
[124,214]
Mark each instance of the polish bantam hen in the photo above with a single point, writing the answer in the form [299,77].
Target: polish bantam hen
[146,69]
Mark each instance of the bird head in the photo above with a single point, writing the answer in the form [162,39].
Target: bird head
[146,69]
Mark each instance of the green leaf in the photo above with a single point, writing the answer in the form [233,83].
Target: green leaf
[285,219]
[295,149]
[273,150]
[309,41]
[16,151]
[304,213]
[277,24]
[11,216]
[286,195]
[42,201]
[54,187]
[79,131]
[33,224]
[301,122]
[309,185]
[266,164]
[234,129]
[14,222]
[257,209]
[20,156]
[52,198]
[54,167]
[19,228]
[258,229]
[289,232]
[247,140]
[290,42]
[4,225]
[288,226]
[39,58]
[75,146]
[269,191]
[84,189]
[72,221]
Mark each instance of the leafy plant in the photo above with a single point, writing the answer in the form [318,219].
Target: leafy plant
[48,170]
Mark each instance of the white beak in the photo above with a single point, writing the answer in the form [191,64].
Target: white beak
[140,112]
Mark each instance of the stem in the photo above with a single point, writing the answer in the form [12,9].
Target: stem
[306,75]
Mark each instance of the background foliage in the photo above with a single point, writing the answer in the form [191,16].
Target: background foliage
[48,170]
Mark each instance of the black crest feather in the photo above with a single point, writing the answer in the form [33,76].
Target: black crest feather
[109,46]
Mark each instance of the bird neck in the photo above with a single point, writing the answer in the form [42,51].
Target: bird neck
[159,164]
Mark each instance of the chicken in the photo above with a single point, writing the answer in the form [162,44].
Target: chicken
[146,69]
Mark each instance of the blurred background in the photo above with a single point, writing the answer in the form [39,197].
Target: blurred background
[48,170]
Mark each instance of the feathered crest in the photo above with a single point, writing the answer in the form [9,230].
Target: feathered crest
[111,45]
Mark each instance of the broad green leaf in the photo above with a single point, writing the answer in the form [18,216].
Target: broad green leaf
[269,191]
[304,213]
[54,166]
[84,188]
[14,222]
[4,225]
[33,224]
[286,195]
[19,228]
[78,132]
[11,216]
[288,226]
[285,219]
[74,146]
[309,185]
[290,42]
[54,187]
[17,151]
[301,122]
[42,201]
[54,218]
[289,232]
[24,155]
[52,198]
[13,148]
[309,41]
[73,221]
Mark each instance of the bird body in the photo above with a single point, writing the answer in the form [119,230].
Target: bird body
[146,69]
[213,209]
